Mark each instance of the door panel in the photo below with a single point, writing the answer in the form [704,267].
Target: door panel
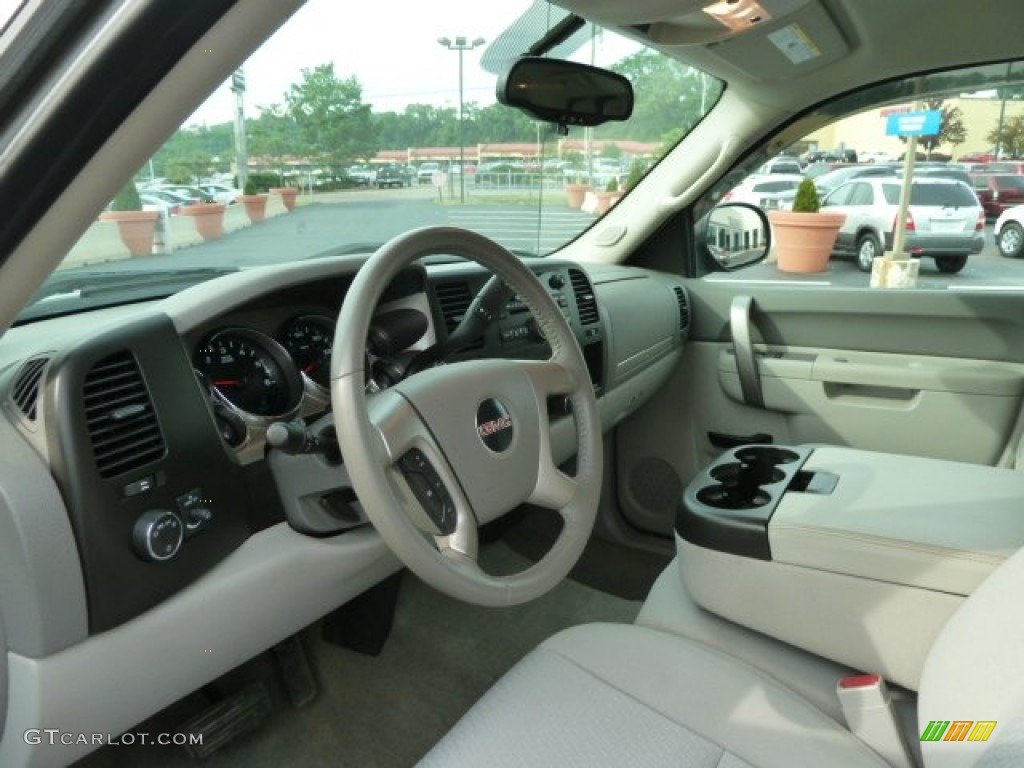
[928,373]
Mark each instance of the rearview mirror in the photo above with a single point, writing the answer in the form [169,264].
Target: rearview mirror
[565,92]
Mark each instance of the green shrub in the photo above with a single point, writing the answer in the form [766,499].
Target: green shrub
[806,198]
[261,182]
[636,172]
[250,188]
[612,186]
[127,199]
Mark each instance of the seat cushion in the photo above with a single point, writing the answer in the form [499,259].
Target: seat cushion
[626,695]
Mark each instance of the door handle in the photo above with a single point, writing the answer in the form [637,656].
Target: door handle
[743,350]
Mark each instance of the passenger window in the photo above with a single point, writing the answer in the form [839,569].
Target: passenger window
[955,221]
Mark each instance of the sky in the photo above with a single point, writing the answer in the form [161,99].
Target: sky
[390,45]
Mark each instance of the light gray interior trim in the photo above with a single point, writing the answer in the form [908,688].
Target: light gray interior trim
[42,602]
[926,523]
[533,716]
[975,325]
[743,350]
[670,608]
[277,582]
[974,671]
[869,625]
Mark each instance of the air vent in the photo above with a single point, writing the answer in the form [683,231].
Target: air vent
[25,392]
[122,425]
[454,299]
[586,303]
[684,309]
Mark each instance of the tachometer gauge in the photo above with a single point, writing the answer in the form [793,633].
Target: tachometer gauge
[308,340]
[250,371]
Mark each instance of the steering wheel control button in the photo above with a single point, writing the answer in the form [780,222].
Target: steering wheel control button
[494,425]
[429,490]
[157,535]
[195,510]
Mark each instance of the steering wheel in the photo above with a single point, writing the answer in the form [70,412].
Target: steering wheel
[456,446]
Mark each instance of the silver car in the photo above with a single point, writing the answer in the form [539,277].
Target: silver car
[945,221]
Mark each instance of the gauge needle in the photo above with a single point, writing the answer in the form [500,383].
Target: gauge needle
[309,368]
[227,382]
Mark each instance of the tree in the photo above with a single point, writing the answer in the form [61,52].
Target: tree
[657,114]
[951,127]
[1010,140]
[272,136]
[332,123]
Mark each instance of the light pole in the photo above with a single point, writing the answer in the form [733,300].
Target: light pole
[461,44]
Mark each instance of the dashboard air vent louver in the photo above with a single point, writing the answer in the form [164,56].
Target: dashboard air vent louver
[586,303]
[454,299]
[119,415]
[25,392]
[684,309]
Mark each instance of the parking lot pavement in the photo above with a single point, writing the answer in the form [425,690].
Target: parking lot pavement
[522,228]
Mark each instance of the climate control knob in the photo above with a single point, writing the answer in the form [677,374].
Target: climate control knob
[157,535]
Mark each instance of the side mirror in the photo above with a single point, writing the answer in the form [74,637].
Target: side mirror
[734,235]
[565,92]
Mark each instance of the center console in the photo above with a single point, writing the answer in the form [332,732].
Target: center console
[857,556]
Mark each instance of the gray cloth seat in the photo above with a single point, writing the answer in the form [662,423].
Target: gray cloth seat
[638,696]
[627,695]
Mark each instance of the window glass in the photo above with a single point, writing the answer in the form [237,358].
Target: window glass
[980,115]
[330,139]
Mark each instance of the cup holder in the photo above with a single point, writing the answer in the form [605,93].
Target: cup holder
[754,473]
[766,455]
[728,506]
[732,496]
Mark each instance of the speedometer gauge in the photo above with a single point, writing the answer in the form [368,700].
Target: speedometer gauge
[308,340]
[250,371]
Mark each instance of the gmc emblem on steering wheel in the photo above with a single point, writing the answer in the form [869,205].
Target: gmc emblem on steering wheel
[494,425]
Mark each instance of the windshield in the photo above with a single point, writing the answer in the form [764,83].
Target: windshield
[336,136]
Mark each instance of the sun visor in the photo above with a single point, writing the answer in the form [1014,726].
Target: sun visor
[784,48]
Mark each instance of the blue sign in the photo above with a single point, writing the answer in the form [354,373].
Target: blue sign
[914,123]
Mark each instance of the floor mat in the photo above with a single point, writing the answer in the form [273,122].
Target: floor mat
[612,568]
[389,710]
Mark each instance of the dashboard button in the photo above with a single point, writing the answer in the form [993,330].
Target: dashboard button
[138,487]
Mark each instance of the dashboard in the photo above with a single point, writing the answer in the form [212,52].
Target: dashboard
[143,509]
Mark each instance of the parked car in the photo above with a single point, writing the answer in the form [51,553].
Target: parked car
[997,191]
[767,191]
[154,202]
[169,197]
[195,194]
[425,172]
[875,157]
[944,221]
[393,175]
[1005,166]
[221,193]
[362,175]
[782,164]
[1009,232]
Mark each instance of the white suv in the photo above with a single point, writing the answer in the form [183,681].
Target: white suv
[945,220]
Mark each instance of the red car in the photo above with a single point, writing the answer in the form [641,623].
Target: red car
[997,192]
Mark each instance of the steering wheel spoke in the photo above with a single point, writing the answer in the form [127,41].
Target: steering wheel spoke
[548,377]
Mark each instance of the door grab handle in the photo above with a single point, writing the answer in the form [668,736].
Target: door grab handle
[743,350]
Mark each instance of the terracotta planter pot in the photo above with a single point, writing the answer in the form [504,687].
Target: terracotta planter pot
[287,196]
[804,241]
[255,206]
[209,219]
[576,193]
[137,229]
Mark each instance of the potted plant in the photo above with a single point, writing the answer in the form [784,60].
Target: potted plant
[804,236]
[208,218]
[254,202]
[609,196]
[576,191]
[287,196]
[136,226]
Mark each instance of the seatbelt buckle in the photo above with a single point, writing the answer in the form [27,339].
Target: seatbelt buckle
[868,709]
